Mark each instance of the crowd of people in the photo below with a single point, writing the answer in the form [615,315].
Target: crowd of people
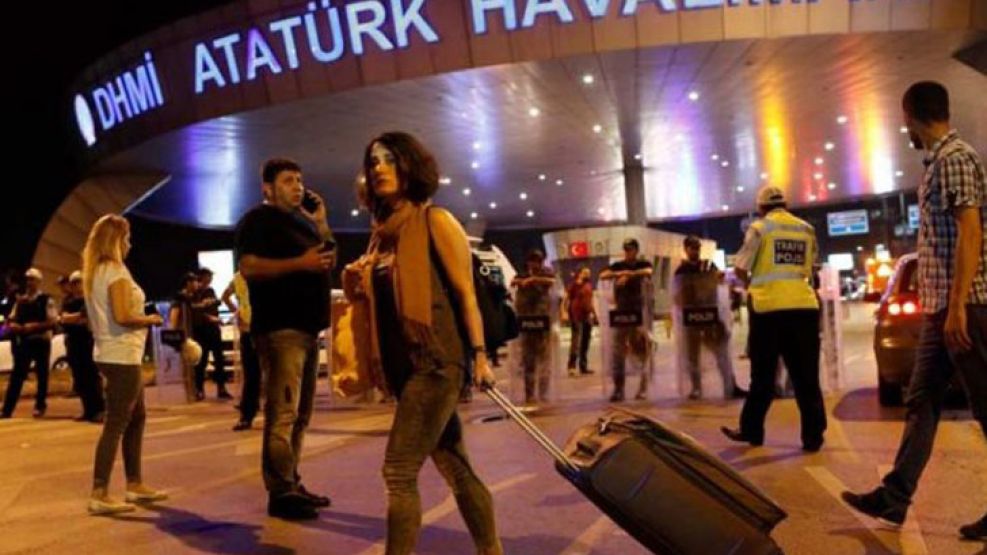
[426,330]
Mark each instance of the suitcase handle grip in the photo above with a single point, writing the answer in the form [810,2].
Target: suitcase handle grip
[528,426]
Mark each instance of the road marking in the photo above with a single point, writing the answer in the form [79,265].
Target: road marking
[897,541]
[910,536]
[837,438]
[586,542]
[448,506]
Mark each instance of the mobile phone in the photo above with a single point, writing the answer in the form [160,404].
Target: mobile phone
[310,202]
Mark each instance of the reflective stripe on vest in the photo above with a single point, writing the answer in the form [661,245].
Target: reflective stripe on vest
[783,265]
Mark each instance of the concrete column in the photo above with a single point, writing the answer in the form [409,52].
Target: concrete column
[637,213]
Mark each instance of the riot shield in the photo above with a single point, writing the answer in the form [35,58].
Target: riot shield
[626,332]
[701,327]
[534,358]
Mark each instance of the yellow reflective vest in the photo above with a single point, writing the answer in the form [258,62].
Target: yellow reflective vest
[781,274]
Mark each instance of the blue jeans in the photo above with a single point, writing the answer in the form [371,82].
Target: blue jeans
[289,360]
[934,368]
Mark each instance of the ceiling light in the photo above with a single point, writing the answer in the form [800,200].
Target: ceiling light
[588,79]
[724,163]
[860,248]
[725,207]
[899,173]
[764,175]
[559,182]
[475,164]
[812,198]
[829,146]
[493,205]
[474,215]
[693,95]
[523,196]
[817,175]
[819,161]
[903,130]
[534,112]
[597,128]
[714,157]
[842,119]
[445,180]
[467,192]
[541,177]
[354,212]
[638,156]
[740,188]
[476,145]
[831,186]
[530,213]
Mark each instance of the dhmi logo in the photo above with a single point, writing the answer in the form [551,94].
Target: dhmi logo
[122,98]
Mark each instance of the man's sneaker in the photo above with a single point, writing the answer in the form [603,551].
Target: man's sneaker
[572,372]
[873,504]
[39,413]
[695,394]
[107,506]
[144,494]
[224,395]
[975,531]
[320,501]
[617,396]
[739,393]
[738,436]
[291,506]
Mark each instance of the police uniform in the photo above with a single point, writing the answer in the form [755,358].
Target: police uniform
[779,251]
[31,349]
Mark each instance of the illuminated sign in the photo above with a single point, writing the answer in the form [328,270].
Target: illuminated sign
[388,24]
[322,33]
[124,97]
[851,222]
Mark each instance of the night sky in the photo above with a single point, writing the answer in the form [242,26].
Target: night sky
[50,44]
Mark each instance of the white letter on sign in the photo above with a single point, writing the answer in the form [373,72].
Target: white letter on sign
[537,7]
[630,6]
[481,7]
[405,18]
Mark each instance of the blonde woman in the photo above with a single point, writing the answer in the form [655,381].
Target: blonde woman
[115,304]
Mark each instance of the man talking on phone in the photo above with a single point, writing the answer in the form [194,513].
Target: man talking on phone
[285,251]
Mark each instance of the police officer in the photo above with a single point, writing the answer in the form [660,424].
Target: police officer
[629,276]
[533,302]
[715,337]
[776,262]
[79,343]
[31,323]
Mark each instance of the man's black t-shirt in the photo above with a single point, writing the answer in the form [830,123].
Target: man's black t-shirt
[299,300]
[700,267]
[629,296]
[76,332]
[201,314]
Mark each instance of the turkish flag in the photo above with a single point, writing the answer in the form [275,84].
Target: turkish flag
[579,249]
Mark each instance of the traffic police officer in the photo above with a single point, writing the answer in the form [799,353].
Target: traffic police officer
[776,263]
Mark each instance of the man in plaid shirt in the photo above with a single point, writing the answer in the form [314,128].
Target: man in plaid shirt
[952,266]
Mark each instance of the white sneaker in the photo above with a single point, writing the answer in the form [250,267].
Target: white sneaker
[107,506]
[145,496]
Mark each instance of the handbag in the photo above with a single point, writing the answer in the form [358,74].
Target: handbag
[351,372]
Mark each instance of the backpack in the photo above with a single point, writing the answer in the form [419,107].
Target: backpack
[500,323]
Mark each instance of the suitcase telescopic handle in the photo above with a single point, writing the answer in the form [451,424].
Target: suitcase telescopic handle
[528,426]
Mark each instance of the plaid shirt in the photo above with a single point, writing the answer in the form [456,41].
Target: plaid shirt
[954,178]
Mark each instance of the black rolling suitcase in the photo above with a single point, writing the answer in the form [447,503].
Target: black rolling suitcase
[660,486]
